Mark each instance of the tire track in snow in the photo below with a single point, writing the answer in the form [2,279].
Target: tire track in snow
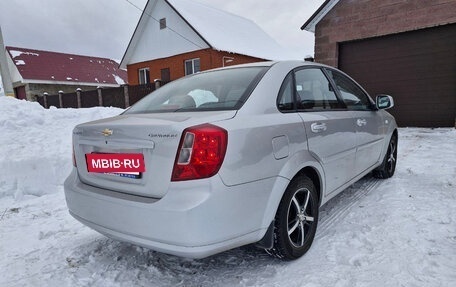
[337,208]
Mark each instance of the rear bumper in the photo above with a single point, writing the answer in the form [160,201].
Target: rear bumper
[194,219]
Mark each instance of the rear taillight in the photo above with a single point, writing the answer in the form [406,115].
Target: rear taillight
[201,152]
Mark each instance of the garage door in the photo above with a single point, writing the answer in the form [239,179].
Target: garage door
[417,68]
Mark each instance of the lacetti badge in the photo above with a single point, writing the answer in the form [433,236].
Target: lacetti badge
[115,162]
[106,132]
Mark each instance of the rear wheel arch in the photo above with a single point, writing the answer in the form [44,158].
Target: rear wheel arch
[388,165]
[314,175]
[395,133]
[311,172]
[294,227]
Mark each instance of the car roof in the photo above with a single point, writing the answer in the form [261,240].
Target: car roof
[295,63]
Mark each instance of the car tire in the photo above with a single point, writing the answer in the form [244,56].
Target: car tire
[296,220]
[388,166]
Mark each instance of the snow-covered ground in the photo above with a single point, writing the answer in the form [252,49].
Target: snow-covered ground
[395,232]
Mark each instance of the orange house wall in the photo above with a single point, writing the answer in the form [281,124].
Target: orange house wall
[209,59]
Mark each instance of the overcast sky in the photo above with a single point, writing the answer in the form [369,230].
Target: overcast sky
[104,27]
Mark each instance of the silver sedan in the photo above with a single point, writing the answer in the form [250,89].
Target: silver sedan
[229,157]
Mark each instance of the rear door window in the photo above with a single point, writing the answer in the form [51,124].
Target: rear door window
[314,91]
[286,94]
[307,89]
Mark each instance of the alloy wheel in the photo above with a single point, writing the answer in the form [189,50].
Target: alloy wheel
[391,161]
[300,218]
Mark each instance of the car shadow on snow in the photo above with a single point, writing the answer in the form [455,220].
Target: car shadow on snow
[106,261]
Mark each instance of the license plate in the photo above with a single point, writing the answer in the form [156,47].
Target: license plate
[125,174]
[121,164]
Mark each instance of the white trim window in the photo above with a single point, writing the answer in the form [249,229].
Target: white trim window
[144,76]
[192,66]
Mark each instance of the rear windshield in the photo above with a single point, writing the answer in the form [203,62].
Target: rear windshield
[208,91]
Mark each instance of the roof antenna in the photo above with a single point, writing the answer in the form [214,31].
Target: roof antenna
[309,58]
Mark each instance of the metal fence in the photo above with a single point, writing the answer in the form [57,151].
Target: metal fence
[69,100]
[121,97]
[88,99]
[138,92]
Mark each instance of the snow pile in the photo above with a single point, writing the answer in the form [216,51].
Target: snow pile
[35,143]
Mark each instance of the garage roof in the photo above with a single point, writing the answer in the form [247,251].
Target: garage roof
[318,15]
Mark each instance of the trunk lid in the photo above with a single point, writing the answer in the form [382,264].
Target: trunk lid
[155,136]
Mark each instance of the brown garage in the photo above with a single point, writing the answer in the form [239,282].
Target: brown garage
[418,68]
[403,48]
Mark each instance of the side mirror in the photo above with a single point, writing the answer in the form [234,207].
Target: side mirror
[384,102]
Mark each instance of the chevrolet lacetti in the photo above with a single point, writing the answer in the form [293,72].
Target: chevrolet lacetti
[229,157]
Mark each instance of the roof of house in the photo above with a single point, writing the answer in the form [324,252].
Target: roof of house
[228,32]
[52,67]
[318,15]
[221,31]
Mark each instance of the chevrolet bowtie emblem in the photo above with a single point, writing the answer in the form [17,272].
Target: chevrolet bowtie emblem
[107,132]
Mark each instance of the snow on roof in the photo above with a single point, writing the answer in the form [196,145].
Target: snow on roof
[15,53]
[60,67]
[118,79]
[230,33]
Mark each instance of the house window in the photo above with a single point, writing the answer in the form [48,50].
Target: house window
[144,76]
[192,66]
[162,23]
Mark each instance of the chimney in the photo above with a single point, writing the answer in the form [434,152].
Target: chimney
[4,70]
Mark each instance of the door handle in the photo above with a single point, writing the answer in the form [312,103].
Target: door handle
[361,122]
[318,127]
